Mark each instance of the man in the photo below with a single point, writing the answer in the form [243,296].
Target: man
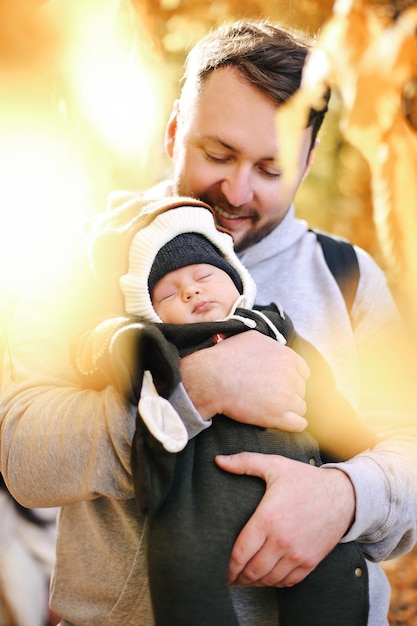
[65,446]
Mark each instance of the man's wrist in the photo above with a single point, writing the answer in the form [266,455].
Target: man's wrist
[193,421]
[345,497]
[199,384]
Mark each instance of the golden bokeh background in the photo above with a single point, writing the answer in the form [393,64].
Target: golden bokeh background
[85,89]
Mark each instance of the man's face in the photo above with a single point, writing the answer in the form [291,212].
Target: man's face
[226,152]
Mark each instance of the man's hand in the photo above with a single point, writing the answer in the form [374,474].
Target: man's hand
[302,516]
[251,379]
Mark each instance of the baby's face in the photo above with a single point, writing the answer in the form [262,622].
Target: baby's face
[194,293]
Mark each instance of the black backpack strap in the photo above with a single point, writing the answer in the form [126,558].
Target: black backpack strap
[343,263]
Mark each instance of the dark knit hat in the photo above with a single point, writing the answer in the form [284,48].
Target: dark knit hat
[189,249]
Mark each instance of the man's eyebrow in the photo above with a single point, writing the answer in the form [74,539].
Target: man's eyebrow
[216,139]
[275,160]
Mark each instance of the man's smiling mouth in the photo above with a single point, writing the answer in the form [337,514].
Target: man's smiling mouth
[225,214]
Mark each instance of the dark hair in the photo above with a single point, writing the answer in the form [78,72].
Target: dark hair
[270,57]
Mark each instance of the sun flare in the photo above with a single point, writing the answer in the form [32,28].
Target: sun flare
[83,98]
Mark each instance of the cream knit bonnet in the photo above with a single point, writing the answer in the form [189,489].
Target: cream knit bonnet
[179,217]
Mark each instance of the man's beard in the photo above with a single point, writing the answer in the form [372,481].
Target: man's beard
[253,236]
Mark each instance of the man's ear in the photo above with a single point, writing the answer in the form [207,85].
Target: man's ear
[310,158]
[171,129]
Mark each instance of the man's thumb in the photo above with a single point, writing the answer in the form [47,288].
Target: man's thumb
[251,463]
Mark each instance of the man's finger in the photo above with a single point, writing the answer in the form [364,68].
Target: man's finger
[302,367]
[250,463]
[292,422]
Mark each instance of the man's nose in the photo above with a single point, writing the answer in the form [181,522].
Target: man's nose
[237,187]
